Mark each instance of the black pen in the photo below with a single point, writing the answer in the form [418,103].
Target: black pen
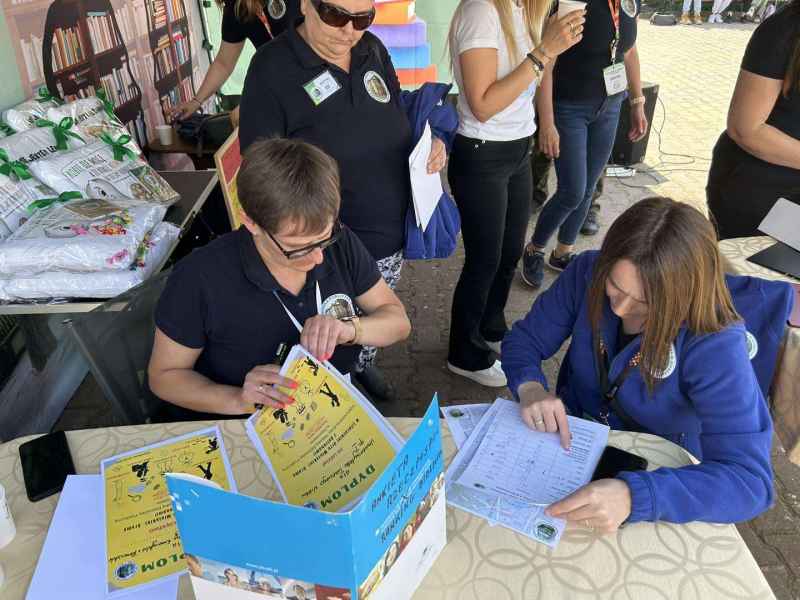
[280,356]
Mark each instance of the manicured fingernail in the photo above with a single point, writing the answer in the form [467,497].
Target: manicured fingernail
[291,400]
[294,385]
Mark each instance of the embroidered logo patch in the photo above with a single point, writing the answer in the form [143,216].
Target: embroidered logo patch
[629,6]
[376,87]
[276,9]
[672,363]
[752,345]
[338,306]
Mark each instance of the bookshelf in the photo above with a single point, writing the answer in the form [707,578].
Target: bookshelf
[171,59]
[84,50]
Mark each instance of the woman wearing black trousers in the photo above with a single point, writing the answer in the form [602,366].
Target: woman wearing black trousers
[498,58]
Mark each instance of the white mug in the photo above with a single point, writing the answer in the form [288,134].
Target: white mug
[164,134]
[7,527]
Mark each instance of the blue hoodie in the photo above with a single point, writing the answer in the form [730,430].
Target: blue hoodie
[708,400]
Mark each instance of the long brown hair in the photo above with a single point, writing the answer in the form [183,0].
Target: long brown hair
[674,249]
[536,12]
[246,10]
[791,82]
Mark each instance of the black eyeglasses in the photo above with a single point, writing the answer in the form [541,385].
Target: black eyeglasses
[338,17]
[336,233]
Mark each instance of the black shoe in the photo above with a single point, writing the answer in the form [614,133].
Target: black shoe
[559,263]
[590,225]
[377,388]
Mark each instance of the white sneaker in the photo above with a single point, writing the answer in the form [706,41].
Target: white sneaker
[495,346]
[491,377]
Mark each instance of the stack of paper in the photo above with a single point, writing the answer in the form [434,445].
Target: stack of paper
[426,188]
[508,474]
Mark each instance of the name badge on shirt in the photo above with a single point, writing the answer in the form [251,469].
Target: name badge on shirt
[322,87]
[616,79]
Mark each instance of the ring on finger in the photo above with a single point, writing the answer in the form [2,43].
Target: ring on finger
[538,421]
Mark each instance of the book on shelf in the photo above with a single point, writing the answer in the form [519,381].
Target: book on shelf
[174,10]
[187,88]
[181,45]
[140,18]
[67,48]
[32,54]
[169,100]
[119,86]
[101,31]
[165,62]
[159,13]
[126,22]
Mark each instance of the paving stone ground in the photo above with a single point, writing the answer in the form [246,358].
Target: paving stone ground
[695,67]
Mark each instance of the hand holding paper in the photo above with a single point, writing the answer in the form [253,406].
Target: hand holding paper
[426,187]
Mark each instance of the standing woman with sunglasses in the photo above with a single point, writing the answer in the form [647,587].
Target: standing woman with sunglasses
[229,307]
[255,20]
[332,83]
[499,57]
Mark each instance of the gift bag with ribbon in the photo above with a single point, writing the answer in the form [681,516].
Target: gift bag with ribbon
[150,255]
[94,116]
[106,168]
[16,196]
[23,116]
[66,233]
[48,137]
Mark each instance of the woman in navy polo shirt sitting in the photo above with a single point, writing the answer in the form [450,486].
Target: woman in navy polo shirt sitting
[332,83]
[656,341]
[228,306]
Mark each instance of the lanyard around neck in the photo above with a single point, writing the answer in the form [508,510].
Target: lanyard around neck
[292,318]
[614,7]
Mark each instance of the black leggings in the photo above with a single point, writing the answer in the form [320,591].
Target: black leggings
[742,189]
[491,184]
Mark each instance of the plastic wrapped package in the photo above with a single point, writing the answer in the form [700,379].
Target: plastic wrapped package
[104,169]
[15,198]
[152,253]
[42,141]
[23,116]
[80,236]
[95,117]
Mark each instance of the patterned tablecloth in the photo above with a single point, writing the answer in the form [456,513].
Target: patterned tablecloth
[654,561]
[785,397]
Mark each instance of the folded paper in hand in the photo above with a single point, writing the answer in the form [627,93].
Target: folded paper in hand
[426,188]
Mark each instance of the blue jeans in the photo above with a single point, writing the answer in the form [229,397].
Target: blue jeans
[587,131]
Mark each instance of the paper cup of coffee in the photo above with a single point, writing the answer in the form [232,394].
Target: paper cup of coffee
[164,134]
[567,6]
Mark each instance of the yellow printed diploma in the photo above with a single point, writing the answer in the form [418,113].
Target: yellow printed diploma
[142,542]
[328,447]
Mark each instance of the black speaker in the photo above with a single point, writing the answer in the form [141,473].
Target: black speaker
[625,152]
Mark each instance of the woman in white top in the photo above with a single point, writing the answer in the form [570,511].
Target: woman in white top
[499,56]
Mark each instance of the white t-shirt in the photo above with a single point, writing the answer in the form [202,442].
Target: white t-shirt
[477,25]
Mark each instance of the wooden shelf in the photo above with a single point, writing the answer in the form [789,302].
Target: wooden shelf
[114,51]
[69,69]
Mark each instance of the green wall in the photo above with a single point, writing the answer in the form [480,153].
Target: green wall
[11,92]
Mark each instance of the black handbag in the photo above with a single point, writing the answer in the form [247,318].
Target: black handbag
[206,131]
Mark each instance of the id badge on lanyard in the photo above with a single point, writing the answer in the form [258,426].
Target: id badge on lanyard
[292,318]
[615,78]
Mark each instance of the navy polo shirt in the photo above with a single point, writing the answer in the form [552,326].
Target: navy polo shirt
[280,14]
[222,298]
[361,124]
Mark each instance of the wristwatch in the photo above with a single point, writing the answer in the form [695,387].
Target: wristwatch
[356,326]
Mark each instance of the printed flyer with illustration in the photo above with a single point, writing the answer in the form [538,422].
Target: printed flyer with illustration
[142,542]
[330,445]
[380,550]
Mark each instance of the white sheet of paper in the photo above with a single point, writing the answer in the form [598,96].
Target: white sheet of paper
[523,517]
[72,563]
[781,223]
[522,464]
[463,419]
[426,188]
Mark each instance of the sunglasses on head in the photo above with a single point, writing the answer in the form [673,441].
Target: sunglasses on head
[332,15]
[306,250]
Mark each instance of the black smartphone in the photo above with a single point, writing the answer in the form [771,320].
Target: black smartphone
[614,461]
[46,462]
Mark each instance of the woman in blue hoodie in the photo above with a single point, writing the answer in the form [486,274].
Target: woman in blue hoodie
[657,346]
